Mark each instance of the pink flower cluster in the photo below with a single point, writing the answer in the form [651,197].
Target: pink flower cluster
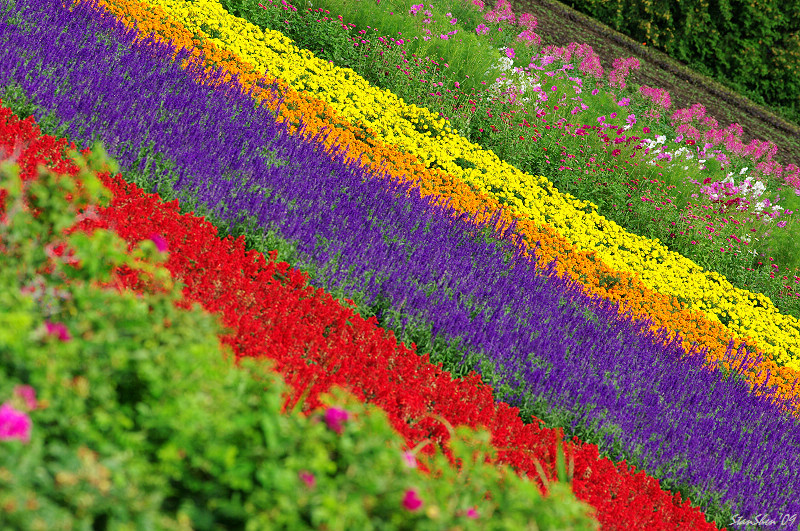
[15,423]
[693,123]
[590,61]
[502,11]
[658,96]
[335,419]
[622,67]
[529,37]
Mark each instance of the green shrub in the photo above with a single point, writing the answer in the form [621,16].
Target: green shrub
[141,422]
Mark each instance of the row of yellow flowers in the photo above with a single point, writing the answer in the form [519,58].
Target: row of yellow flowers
[415,130]
[584,266]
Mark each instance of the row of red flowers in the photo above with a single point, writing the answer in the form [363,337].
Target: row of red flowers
[316,342]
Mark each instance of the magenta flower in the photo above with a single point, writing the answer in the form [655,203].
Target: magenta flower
[14,424]
[472,512]
[27,394]
[307,478]
[161,243]
[335,417]
[58,330]
[528,21]
[510,53]
[410,459]
[411,500]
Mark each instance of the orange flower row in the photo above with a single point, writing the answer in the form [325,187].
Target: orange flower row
[318,117]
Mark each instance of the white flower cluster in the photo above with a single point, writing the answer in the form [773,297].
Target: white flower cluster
[513,80]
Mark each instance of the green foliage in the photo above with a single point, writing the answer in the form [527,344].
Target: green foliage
[324,38]
[142,423]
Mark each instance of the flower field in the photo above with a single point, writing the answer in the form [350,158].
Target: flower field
[405,251]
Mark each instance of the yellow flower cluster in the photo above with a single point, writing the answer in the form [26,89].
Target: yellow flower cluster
[417,131]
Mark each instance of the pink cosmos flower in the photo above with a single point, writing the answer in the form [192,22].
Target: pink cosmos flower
[161,244]
[411,500]
[335,417]
[307,478]
[410,459]
[27,394]
[14,424]
[472,512]
[510,53]
[58,330]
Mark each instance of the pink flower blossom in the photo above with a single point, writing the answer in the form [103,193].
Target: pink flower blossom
[335,417]
[411,500]
[27,394]
[528,37]
[410,459]
[528,21]
[161,244]
[307,478]
[58,330]
[14,424]
[472,512]
[510,53]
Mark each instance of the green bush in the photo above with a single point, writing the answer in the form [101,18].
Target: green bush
[142,422]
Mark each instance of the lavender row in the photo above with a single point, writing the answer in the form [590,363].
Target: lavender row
[686,424]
